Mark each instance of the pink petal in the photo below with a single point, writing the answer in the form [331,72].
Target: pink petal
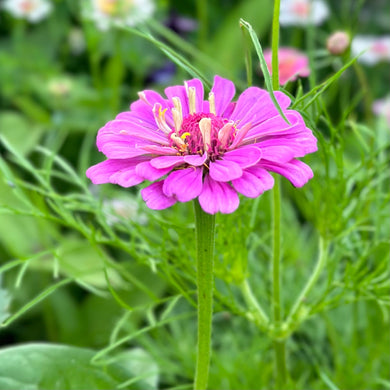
[253,182]
[120,146]
[148,172]
[224,170]
[195,159]
[184,184]
[296,171]
[300,143]
[167,161]
[155,149]
[155,198]
[245,156]
[197,84]
[248,185]
[277,153]
[102,172]
[140,111]
[246,102]
[267,181]
[180,92]
[126,177]
[217,196]
[224,92]
[132,128]
[276,126]
[255,106]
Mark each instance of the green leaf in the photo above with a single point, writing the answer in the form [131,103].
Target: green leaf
[62,367]
[5,300]
[226,44]
[267,78]
[19,132]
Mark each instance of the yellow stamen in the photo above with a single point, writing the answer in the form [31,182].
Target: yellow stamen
[159,116]
[179,142]
[184,135]
[212,103]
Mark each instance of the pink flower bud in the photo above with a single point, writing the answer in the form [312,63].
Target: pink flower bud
[338,43]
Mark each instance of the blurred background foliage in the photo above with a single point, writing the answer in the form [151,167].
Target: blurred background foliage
[92,268]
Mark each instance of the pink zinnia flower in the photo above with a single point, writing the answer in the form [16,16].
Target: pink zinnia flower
[211,150]
[292,64]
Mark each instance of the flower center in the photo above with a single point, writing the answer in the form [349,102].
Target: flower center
[204,132]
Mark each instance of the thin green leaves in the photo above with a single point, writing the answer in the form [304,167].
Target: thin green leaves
[267,78]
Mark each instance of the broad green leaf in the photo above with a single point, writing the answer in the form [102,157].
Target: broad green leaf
[81,262]
[62,367]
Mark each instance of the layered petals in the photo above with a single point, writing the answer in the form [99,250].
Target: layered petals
[245,157]
[224,92]
[225,170]
[184,185]
[296,171]
[104,172]
[211,149]
[155,198]
[218,197]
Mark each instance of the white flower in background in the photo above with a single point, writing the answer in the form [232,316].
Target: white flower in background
[123,208]
[302,12]
[375,49]
[31,10]
[381,108]
[119,12]
[76,41]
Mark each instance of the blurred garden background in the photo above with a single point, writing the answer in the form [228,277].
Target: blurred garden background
[98,292]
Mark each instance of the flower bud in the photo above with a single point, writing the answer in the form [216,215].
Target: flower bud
[338,43]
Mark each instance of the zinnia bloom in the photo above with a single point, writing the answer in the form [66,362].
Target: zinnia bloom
[119,12]
[292,64]
[375,49]
[302,12]
[31,10]
[211,150]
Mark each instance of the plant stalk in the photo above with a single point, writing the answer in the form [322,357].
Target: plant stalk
[205,240]
[279,345]
[322,257]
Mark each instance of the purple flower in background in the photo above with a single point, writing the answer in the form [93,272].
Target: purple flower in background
[211,150]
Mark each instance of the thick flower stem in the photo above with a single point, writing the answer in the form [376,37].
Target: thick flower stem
[205,233]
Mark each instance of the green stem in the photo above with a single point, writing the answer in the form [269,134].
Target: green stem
[322,256]
[205,238]
[279,345]
[275,44]
[256,309]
